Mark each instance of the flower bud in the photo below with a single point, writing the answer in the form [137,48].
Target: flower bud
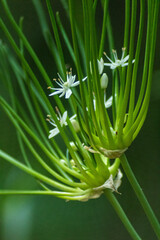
[63,162]
[75,125]
[104,81]
[73,146]
[100,64]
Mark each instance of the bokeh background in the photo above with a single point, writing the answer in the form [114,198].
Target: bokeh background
[46,217]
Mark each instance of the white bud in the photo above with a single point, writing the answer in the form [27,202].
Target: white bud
[75,125]
[100,64]
[73,146]
[104,81]
[72,162]
[63,161]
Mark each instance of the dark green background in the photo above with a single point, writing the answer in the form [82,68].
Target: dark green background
[45,217]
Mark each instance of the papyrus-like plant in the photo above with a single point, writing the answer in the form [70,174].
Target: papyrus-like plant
[93,108]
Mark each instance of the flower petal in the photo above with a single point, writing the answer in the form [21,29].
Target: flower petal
[74,116]
[56,92]
[72,80]
[108,64]
[63,119]
[100,65]
[53,132]
[68,93]
[75,84]
[63,93]
[84,79]
[108,103]
[125,59]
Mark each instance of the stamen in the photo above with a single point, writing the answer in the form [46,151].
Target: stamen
[61,80]
[105,54]
[56,108]
[115,54]
[123,52]
[58,112]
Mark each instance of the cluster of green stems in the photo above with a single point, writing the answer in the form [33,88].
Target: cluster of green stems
[97,135]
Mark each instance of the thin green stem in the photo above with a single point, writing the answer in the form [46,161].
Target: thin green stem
[135,68]
[65,37]
[55,30]
[36,174]
[120,212]
[122,109]
[140,195]
[80,196]
[103,34]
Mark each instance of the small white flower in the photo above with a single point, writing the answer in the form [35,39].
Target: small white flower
[62,119]
[100,64]
[118,62]
[65,87]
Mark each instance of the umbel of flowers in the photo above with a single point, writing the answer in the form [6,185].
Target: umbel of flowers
[93,112]
[99,124]
[103,137]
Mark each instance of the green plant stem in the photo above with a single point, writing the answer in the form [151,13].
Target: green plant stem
[117,207]
[140,195]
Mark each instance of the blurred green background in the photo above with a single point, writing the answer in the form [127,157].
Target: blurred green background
[46,217]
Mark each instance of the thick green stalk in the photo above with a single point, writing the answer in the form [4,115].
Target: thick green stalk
[140,195]
[117,207]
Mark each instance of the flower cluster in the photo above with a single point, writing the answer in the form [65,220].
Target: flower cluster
[66,86]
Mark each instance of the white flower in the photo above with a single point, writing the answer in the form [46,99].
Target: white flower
[65,87]
[100,64]
[62,119]
[118,62]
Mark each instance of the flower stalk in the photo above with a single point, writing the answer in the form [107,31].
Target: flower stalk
[140,195]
